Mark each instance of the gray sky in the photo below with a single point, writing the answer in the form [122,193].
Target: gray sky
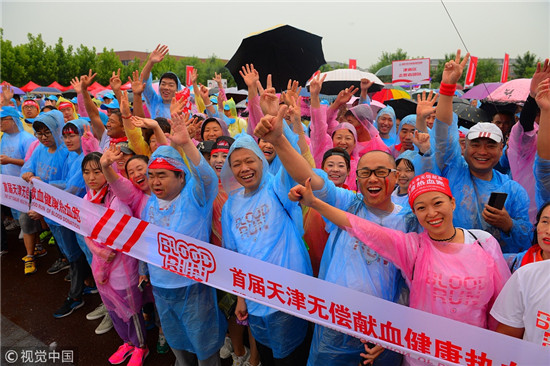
[360,29]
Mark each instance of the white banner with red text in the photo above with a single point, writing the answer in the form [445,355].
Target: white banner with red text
[434,339]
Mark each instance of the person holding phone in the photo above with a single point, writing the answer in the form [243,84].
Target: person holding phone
[472,177]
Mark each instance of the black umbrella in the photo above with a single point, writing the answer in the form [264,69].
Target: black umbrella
[469,115]
[402,107]
[284,52]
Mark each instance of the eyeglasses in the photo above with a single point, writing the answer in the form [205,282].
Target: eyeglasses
[379,172]
[39,135]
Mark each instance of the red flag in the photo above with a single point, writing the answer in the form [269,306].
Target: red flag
[352,63]
[504,76]
[471,74]
[188,71]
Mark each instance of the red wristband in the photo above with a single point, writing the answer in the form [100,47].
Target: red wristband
[447,89]
[127,117]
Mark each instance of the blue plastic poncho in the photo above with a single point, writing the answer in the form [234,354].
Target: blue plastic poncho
[471,194]
[350,263]
[266,225]
[403,200]
[392,139]
[155,104]
[188,310]
[542,180]
[73,181]
[407,120]
[46,165]
[14,145]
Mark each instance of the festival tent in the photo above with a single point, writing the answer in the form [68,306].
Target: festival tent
[29,86]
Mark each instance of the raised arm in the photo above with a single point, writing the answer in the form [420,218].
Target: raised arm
[97,126]
[138,86]
[543,101]
[153,125]
[364,86]
[270,129]
[424,108]
[180,137]
[115,83]
[451,74]
[154,58]
[80,108]
[107,160]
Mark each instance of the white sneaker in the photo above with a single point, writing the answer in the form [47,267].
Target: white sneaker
[227,348]
[99,312]
[105,325]
[239,361]
[20,234]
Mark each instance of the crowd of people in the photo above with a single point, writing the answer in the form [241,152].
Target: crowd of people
[399,209]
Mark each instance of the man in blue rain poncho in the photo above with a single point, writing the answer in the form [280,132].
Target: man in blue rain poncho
[405,136]
[260,221]
[385,123]
[169,84]
[181,201]
[345,261]
[472,177]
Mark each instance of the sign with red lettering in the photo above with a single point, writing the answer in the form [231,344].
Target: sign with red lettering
[471,74]
[411,71]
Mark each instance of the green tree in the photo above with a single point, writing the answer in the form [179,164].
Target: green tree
[387,58]
[106,63]
[168,64]
[181,66]
[525,65]
[42,64]
[11,62]
[333,66]
[85,59]
[487,71]
[127,70]
[438,72]
[68,68]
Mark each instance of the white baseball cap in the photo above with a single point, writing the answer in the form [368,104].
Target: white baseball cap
[485,130]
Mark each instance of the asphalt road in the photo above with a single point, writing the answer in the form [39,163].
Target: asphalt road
[30,301]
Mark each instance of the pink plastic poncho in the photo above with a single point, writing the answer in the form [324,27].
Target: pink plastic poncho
[321,141]
[115,272]
[522,148]
[455,280]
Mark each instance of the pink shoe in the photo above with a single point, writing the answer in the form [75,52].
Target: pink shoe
[138,357]
[122,354]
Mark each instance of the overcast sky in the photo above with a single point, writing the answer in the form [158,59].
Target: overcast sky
[360,30]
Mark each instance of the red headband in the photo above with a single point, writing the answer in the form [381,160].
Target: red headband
[219,150]
[65,105]
[428,183]
[31,102]
[160,163]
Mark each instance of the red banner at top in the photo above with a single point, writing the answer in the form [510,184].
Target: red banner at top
[505,65]
[352,64]
[188,72]
[471,74]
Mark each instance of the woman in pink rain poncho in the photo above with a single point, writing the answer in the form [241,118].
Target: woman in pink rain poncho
[451,272]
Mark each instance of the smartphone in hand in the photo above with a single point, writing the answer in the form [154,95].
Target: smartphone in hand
[497,200]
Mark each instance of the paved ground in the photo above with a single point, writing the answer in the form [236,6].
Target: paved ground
[27,305]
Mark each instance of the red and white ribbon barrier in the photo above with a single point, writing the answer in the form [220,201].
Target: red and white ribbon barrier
[434,339]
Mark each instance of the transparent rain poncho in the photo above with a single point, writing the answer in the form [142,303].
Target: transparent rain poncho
[190,213]
[266,225]
[392,139]
[472,194]
[408,120]
[349,262]
[14,145]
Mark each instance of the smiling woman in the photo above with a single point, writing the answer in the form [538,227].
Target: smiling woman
[452,255]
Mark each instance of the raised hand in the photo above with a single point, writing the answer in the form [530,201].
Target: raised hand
[543,95]
[203,91]
[193,126]
[344,96]
[316,84]
[115,81]
[453,69]
[7,94]
[87,80]
[249,75]
[422,141]
[194,76]
[302,193]
[269,102]
[425,105]
[75,83]
[293,89]
[365,84]
[176,106]
[110,155]
[141,122]
[124,104]
[137,83]
[87,134]
[158,54]
[542,72]
[218,79]
[179,133]
[270,127]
